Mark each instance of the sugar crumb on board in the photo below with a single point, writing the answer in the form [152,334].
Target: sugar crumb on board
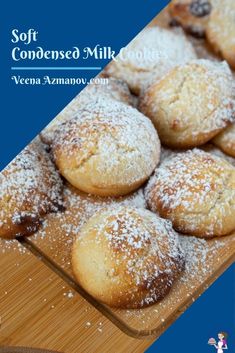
[98,327]
[58,231]
[68,294]
[9,246]
[201,255]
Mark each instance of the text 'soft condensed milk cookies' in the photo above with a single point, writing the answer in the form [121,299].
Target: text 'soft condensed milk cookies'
[152,53]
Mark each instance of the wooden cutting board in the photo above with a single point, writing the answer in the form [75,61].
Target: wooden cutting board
[206,260]
[39,310]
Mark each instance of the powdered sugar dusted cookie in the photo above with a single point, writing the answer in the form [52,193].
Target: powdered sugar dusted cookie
[108,149]
[113,89]
[209,147]
[220,30]
[226,140]
[196,191]
[152,53]
[191,104]
[215,18]
[30,187]
[127,257]
[192,15]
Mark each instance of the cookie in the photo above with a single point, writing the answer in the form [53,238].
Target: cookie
[107,149]
[226,140]
[111,88]
[220,30]
[209,147]
[192,15]
[196,191]
[191,104]
[30,187]
[153,52]
[127,257]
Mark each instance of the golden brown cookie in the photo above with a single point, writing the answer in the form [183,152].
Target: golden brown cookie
[196,191]
[30,187]
[191,104]
[220,30]
[107,149]
[110,88]
[153,52]
[127,257]
[226,140]
[192,15]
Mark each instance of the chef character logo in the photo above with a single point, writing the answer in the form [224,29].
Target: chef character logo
[222,342]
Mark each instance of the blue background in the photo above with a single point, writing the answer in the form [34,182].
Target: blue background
[213,312]
[61,25]
[27,109]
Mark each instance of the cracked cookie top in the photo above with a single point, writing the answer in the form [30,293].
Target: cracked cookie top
[191,104]
[113,89]
[153,52]
[107,149]
[196,191]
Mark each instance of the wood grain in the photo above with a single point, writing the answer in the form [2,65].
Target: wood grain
[55,240]
[36,311]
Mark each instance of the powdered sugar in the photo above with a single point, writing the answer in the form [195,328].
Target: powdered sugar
[58,231]
[29,186]
[152,53]
[198,256]
[113,137]
[201,259]
[217,152]
[194,189]
[175,171]
[138,246]
[125,228]
[209,88]
[221,27]
[10,246]
[113,89]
